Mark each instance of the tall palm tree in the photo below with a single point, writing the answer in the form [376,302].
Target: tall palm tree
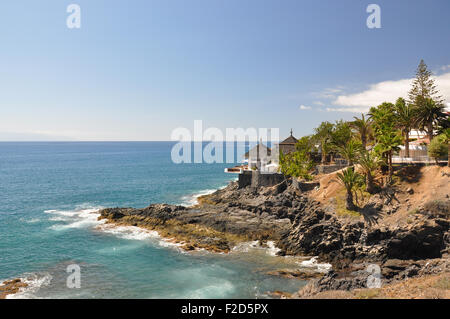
[350,151]
[388,142]
[404,118]
[363,128]
[323,135]
[350,179]
[427,114]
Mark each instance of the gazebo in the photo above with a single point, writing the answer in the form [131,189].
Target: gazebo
[288,145]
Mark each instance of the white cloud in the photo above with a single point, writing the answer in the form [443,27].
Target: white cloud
[387,91]
[345,109]
[304,107]
[329,93]
[320,103]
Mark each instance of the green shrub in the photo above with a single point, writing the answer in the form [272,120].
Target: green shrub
[438,148]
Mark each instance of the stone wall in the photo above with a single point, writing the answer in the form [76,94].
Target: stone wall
[259,180]
[304,186]
[256,179]
[326,169]
[245,179]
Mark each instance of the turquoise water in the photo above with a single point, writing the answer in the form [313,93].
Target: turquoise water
[50,193]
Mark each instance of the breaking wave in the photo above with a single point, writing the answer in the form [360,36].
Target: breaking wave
[34,281]
[77,218]
[270,247]
[312,263]
[191,200]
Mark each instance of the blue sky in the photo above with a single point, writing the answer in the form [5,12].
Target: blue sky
[138,69]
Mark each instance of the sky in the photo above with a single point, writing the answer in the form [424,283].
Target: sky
[137,70]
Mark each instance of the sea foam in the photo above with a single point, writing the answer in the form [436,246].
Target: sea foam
[77,218]
[191,200]
[244,247]
[128,232]
[34,281]
[312,263]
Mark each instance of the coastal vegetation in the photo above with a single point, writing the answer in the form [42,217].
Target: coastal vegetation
[372,140]
[362,213]
[438,148]
[351,181]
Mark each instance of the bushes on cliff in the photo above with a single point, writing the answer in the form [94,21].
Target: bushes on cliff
[296,164]
[438,148]
[351,181]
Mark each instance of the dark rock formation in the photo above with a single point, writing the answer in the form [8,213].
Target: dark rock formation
[357,275]
[220,220]
[301,226]
[320,233]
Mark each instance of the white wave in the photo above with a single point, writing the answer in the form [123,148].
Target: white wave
[137,233]
[78,218]
[34,282]
[128,232]
[59,219]
[68,213]
[170,243]
[272,249]
[83,217]
[244,247]
[191,200]
[312,263]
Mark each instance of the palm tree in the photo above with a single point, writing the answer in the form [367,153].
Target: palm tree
[350,151]
[324,135]
[351,180]
[340,136]
[404,118]
[388,142]
[363,128]
[428,114]
[369,162]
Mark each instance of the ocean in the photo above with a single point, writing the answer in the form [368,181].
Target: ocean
[49,195]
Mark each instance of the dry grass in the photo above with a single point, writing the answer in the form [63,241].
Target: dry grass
[368,293]
[429,184]
[426,287]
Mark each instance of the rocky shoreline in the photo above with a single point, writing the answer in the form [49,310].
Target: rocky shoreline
[301,226]
[11,287]
[219,222]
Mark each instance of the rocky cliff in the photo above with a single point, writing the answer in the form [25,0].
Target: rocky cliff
[414,244]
